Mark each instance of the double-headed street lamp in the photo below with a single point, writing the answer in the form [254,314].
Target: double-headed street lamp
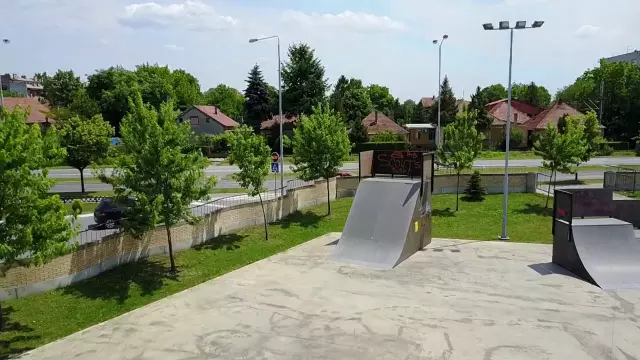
[6,42]
[436,42]
[279,107]
[504,25]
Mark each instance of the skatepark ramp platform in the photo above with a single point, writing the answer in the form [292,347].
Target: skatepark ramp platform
[390,218]
[591,243]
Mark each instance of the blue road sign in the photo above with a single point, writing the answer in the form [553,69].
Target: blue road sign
[275,167]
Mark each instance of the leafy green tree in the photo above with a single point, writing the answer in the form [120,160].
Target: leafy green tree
[420,114]
[560,151]
[111,89]
[398,112]
[12,94]
[60,89]
[475,191]
[381,99]
[462,144]
[494,92]
[320,146]
[336,99]
[479,105]
[562,123]
[160,172]
[274,100]
[86,142]
[516,139]
[304,81]
[83,105]
[448,106]
[251,154]
[408,108]
[257,104]
[33,221]
[356,106]
[531,94]
[156,84]
[229,100]
[591,136]
[186,89]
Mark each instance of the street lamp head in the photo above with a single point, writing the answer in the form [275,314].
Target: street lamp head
[6,41]
[537,24]
[445,37]
[435,42]
[521,24]
[488,26]
[504,25]
[253,40]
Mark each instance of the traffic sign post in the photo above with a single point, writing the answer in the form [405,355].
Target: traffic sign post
[275,157]
[275,167]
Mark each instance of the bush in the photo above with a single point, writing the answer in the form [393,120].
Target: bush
[618,145]
[388,136]
[212,144]
[516,139]
[392,145]
[474,190]
[604,149]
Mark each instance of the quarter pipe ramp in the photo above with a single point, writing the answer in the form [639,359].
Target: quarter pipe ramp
[388,222]
[603,251]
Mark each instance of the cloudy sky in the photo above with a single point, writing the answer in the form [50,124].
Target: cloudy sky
[388,42]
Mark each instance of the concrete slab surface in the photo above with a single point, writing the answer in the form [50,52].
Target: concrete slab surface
[453,300]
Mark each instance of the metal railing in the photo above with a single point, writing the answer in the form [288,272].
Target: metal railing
[542,182]
[625,179]
[92,235]
[490,170]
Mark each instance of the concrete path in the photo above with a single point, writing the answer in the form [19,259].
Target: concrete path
[455,300]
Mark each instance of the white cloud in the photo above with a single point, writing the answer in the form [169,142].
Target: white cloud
[347,19]
[191,14]
[173,47]
[586,31]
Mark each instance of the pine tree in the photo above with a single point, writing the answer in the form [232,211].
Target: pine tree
[448,106]
[479,105]
[419,113]
[474,190]
[257,104]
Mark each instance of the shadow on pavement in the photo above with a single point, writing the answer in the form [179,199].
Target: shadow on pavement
[13,335]
[551,268]
[148,275]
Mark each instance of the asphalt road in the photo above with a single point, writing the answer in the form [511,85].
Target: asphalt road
[270,184]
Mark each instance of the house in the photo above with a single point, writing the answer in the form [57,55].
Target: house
[422,136]
[377,122]
[428,102]
[27,87]
[632,57]
[38,112]
[553,115]
[521,113]
[206,119]
[272,126]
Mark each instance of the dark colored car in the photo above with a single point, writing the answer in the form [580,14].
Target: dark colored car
[108,214]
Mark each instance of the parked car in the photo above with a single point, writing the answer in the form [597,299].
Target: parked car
[108,214]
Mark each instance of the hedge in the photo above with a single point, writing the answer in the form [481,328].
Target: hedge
[618,145]
[394,145]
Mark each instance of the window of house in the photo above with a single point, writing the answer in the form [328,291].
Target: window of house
[515,118]
[194,120]
[418,135]
[432,134]
[208,120]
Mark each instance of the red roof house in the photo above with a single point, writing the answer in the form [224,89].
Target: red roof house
[377,122]
[208,119]
[38,112]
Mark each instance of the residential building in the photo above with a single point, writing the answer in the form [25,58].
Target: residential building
[27,87]
[428,102]
[38,112]
[377,122]
[422,136]
[272,126]
[552,115]
[206,119]
[632,57]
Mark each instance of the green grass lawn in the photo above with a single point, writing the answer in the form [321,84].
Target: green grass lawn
[40,319]
[86,207]
[87,180]
[521,155]
[630,194]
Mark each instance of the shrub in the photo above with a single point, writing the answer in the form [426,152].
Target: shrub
[212,144]
[387,136]
[392,145]
[604,149]
[618,145]
[474,190]
[516,139]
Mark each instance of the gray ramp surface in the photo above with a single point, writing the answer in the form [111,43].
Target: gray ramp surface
[609,252]
[379,229]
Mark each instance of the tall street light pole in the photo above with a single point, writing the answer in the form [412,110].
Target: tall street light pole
[279,108]
[504,25]
[7,42]
[438,131]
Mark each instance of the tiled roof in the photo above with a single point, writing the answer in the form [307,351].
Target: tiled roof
[551,115]
[38,113]
[520,112]
[217,115]
[377,122]
[428,101]
[267,124]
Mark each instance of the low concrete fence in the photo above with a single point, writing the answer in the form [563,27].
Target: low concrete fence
[446,184]
[114,250]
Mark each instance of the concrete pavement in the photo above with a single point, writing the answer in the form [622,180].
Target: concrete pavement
[454,300]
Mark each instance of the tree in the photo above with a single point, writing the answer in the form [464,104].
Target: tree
[84,106]
[419,113]
[336,97]
[560,151]
[516,139]
[60,89]
[474,190]
[462,144]
[562,124]
[86,142]
[256,106]
[251,154]
[531,94]
[160,172]
[304,82]
[33,221]
[320,146]
[448,106]
[111,89]
[494,92]
[186,89]
[479,105]
[274,100]
[591,135]
[156,84]
[356,105]
[408,107]
[381,99]
[229,100]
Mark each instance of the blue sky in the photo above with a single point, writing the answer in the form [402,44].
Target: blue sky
[387,42]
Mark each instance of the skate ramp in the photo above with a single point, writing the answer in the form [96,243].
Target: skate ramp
[388,222]
[603,251]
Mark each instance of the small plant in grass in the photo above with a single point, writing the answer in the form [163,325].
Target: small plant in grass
[474,190]
[251,154]
[320,146]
